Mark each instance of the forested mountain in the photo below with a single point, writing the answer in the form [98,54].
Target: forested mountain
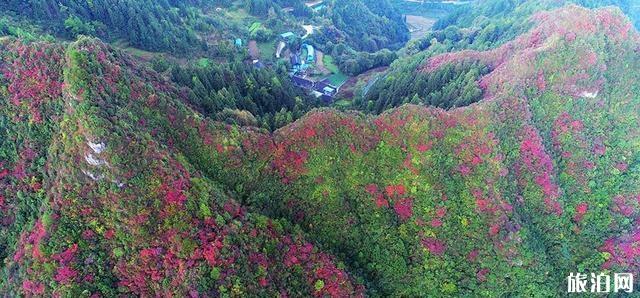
[354,30]
[453,85]
[483,26]
[129,176]
[136,212]
[173,26]
[153,25]
[233,91]
[504,10]
[370,25]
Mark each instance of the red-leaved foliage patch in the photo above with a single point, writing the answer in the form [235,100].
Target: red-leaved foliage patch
[435,246]
[403,208]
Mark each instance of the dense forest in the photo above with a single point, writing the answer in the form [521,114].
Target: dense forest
[239,93]
[502,10]
[483,26]
[153,25]
[262,7]
[370,25]
[356,31]
[453,85]
[491,158]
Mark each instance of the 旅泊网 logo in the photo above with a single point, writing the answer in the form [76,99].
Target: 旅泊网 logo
[599,283]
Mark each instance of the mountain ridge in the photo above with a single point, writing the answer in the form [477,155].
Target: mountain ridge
[502,197]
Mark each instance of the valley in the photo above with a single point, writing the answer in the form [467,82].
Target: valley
[330,148]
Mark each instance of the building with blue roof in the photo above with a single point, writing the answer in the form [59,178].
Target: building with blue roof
[287,35]
[311,54]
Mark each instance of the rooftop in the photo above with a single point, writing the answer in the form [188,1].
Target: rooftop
[287,35]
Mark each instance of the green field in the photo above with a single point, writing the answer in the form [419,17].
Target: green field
[255,26]
[123,44]
[267,50]
[337,79]
[329,63]
[342,103]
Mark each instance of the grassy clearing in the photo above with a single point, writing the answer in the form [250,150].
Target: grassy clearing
[337,79]
[123,44]
[240,20]
[330,64]
[203,62]
[267,50]
[420,26]
[342,103]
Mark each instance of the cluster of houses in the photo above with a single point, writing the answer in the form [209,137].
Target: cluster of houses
[298,72]
[300,65]
[301,60]
[322,89]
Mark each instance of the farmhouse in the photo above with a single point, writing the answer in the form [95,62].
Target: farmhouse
[302,82]
[311,54]
[320,88]
[295,63]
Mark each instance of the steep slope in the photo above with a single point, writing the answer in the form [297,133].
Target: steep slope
[112,185]
[367,25]
[503,10]
[99,200]
[160,26]
[503,197]
[480,26]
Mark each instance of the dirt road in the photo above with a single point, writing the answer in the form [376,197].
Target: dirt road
[320,63]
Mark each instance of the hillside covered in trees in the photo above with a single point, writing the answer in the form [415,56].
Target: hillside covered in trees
[518,162]
[482,25]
